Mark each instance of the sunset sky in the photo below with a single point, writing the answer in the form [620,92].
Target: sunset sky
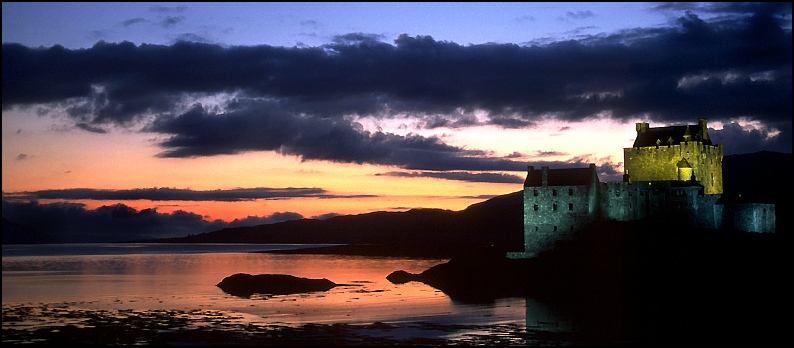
[162,119]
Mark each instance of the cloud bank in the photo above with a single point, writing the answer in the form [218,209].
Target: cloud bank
[304,101]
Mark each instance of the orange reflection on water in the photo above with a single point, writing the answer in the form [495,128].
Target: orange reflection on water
[188,281]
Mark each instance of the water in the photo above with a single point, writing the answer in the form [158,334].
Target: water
[184,277]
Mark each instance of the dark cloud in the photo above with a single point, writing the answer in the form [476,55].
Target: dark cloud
[90,128]
[300,101]
[170,21]
[264,126]
[173,194]
[311,23]
[460,176]
[22,157]
[525,18]
[738,140]
[133,21]
[540,153]
[72,223]
[193,37]
[578,14]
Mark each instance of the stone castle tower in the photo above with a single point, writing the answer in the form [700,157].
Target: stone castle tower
[671,173]
[675,153]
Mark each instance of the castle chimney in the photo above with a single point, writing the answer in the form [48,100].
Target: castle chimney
[642,127]
[545,176]
[704,129]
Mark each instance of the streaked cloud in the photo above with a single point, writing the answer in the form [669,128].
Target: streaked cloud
[173,194]
[459,176]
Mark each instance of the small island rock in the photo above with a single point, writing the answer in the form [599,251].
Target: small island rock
[245,285]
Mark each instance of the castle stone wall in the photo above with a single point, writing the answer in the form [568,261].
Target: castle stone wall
[748,217]
[552,213]
[659,163]
[622,201]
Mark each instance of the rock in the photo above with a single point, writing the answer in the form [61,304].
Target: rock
[476,278]
[245,285]
[401,277]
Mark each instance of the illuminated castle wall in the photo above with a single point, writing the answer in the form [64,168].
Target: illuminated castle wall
[675,153]
[677,180]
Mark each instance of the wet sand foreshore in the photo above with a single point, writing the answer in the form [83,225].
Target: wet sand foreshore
[64,324]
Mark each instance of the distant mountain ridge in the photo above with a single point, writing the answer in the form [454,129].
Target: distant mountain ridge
[757,177]
[498,222]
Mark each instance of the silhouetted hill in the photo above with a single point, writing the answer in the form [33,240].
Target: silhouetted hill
[763,177]
[497,222]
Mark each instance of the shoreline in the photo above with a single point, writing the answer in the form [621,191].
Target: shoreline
[61,324]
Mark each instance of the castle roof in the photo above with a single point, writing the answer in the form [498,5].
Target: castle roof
[672,135]
[683,163]
[562,177]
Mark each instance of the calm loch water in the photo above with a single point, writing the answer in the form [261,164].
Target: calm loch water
[141,277]
[184,277]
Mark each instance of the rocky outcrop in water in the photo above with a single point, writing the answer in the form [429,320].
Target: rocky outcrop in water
[245,285]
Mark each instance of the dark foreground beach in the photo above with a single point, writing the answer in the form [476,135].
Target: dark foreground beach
[64,325]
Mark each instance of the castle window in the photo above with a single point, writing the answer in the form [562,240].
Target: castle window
[571,228]
[617,193]
[536,228]
[535,193]
[555,228]
[570,206]
[535,207]
[554,192]
[570,192]
[554,207]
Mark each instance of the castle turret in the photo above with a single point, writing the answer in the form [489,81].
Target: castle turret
[685,172]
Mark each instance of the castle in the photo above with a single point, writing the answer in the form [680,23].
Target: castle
[670,173]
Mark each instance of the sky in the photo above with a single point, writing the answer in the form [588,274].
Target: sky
[148,120]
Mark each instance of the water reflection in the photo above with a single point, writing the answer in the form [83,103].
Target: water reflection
[187,281]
